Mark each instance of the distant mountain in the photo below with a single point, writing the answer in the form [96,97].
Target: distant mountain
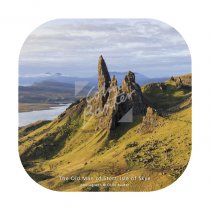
[46,92]
[51,92]
[140,78]
[30,80]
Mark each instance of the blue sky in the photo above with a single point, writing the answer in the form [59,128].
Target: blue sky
[72,47]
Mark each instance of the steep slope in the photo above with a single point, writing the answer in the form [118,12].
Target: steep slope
[75,151]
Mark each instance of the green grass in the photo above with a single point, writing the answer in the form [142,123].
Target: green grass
[166,98]
[80,150]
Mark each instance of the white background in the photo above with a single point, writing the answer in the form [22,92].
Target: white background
[18,19]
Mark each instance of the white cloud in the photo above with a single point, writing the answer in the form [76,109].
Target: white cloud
[76,45]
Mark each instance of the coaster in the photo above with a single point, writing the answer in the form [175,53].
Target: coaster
[105,105]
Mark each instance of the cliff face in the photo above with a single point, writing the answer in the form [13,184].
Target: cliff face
[112,102]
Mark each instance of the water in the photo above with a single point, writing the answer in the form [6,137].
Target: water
[26,118]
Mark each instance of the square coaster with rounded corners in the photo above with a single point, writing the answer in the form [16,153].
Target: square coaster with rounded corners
[104,105]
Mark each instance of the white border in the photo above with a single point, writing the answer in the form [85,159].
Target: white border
[190,18]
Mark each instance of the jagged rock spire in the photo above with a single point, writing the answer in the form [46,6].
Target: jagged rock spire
[113,103]
[103,82]
[129,83]
[113,91]
[133,90]
[150,121]
[103,74]
[113,81]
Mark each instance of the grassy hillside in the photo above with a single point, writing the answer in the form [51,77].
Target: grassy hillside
[69,154]
[166,95]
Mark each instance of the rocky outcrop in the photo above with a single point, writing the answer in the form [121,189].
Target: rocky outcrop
[184,81]
[108,116]
[112,103]
[179,83]
[133,93]
[103,82]
[121,100]
[150,121]
[74,110]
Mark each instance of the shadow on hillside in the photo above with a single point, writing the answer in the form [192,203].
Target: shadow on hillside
[39,177]
[166,98]
[124,127]
[46,148]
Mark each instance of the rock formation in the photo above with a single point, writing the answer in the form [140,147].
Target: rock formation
[184,81]
[103,82]
[179,83]
[113,102]
[112,105]
[150,121]
[134,94]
